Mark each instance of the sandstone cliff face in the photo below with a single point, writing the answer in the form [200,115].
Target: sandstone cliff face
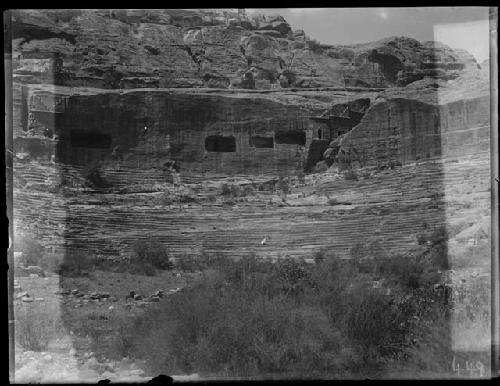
[137,130]
[106,101]
[427,120]
[195,48]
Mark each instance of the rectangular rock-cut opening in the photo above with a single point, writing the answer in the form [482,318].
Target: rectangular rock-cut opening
[291,137]
[90,139]
[262,142]
[220,144]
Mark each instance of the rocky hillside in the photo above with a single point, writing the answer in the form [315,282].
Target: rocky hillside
[209,48]
[105,102]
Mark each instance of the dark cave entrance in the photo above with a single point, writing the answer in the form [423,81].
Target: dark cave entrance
[291,137]
[389,64]
[315,153]
[262,142]
[220,144]
[90,139]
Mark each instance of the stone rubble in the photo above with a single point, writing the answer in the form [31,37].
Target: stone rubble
[54,367]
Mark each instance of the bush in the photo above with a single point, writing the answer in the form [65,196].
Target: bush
[32,252]
[252,316]
[185,198]
[150,254]
[284,185]
[36,326]
[93,178]
[437,244]
[315,46]
[351,174]
[301,177]
[228,324]
[190,263]
[374,321]
[233,191]
[76,263]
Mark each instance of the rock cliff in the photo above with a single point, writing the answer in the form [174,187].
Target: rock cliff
[106,103]
[209,48]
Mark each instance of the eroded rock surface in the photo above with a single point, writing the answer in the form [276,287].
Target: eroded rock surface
[209,48]
[221,134]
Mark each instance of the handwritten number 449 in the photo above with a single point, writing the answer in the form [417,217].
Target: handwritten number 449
[470,368]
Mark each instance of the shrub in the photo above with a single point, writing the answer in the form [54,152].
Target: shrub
[351,174]
[284,185]
[150,254]
[92,176]
[32,251]
[76,263]
[36,326]
[373,320]
[252,316]
[233,191]
[315,46]
[184,198]
[301,177]
[190,263]
[320,167]
[217,328]
[437,243]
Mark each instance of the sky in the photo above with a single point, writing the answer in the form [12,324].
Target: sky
[458,27]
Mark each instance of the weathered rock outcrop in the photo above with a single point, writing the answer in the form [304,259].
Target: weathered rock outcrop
[423,121]
[195,48]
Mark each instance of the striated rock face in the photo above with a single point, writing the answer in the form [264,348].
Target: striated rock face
[108,103]
[429,120]
[145,129]
[196,48]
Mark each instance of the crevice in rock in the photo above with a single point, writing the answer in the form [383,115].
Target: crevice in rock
[194,56]
[343,118]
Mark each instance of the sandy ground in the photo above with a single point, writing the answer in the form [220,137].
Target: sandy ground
[62,361]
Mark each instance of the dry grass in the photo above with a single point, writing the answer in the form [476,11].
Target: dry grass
[252,317]
[37,324]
